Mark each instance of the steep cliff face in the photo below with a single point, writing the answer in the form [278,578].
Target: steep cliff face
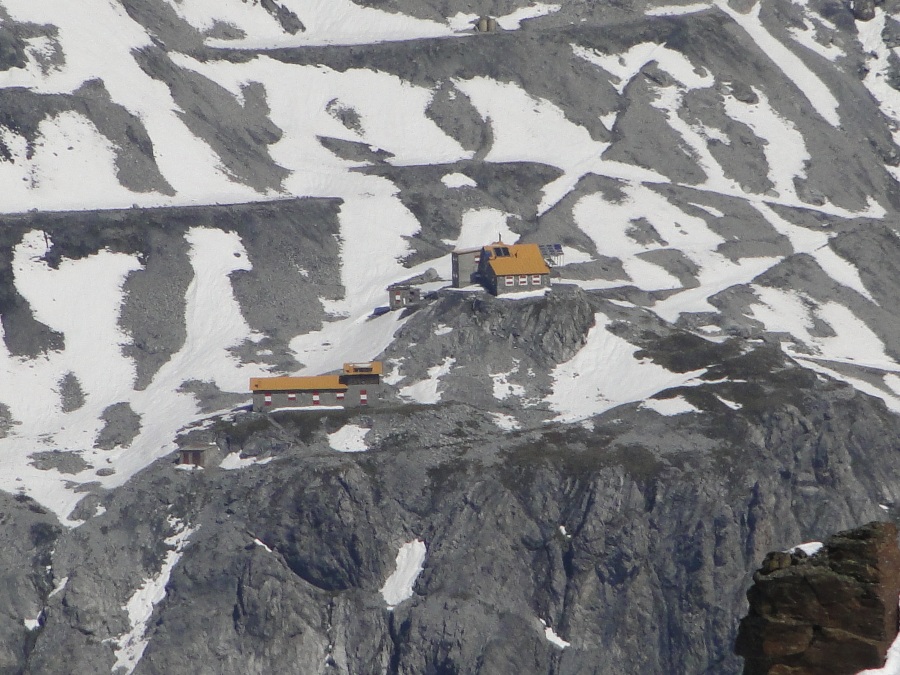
[620,545]
[831,613]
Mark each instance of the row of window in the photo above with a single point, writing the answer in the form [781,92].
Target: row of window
[316,398]
[523,280]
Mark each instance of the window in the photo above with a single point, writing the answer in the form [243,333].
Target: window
[292,396]
[363,397]
[509,280]
[339,396]
[268,398]
[523,280]
[501,252]
[536,280]
[315,398]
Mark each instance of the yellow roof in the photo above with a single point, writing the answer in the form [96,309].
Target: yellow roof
[522,259]
[313,383]
[366,368]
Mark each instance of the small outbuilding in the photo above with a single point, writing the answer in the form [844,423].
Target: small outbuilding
[464,263]
[201,455]
[403,295]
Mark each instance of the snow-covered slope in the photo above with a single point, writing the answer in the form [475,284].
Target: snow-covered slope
[717,168]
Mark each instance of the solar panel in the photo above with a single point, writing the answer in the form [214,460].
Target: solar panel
[553,253]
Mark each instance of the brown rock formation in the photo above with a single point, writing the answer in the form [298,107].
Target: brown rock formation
[831,613]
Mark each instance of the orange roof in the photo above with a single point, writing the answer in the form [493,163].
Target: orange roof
[522,259]
[313,383]
[366,368]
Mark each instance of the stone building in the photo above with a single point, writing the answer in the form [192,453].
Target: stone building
[503,268]
[358,384]
[512,268]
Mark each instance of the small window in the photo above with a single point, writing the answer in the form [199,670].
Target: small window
[509,281]
[523,280]
[292,396]
[536,280]
[501,252]
[315,398]
[268,399]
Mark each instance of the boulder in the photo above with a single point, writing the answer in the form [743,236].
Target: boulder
[832,613]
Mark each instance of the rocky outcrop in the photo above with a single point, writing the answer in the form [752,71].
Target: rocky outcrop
[831,613]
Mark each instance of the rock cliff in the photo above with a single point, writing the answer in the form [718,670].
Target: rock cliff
[831,613]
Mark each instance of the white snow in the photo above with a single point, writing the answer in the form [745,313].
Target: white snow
[349,438]
[811,86]
[730,404]
[809,548]
[853,341]
[784,147]
[60,585]
[527,128]
[878,78]
[32,624]
[261,543]
[234,461]
[426,391]
[335,22]
[513,20]
[73,164]
[458,180]
[410,562]
[503,388]
[605,374]
[483,226]
[552,637]
[505,422]
[130,646]
[441,329]
[808,37]
[677,405]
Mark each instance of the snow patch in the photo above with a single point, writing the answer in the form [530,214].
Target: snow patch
[458,180]
[234,461]
[410,562]
[553,638]
[677,405]
[130,646]
[505,422]
[349,438]
[605,374]
[426,391]
[261,543]
[513,20]
[809,548]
